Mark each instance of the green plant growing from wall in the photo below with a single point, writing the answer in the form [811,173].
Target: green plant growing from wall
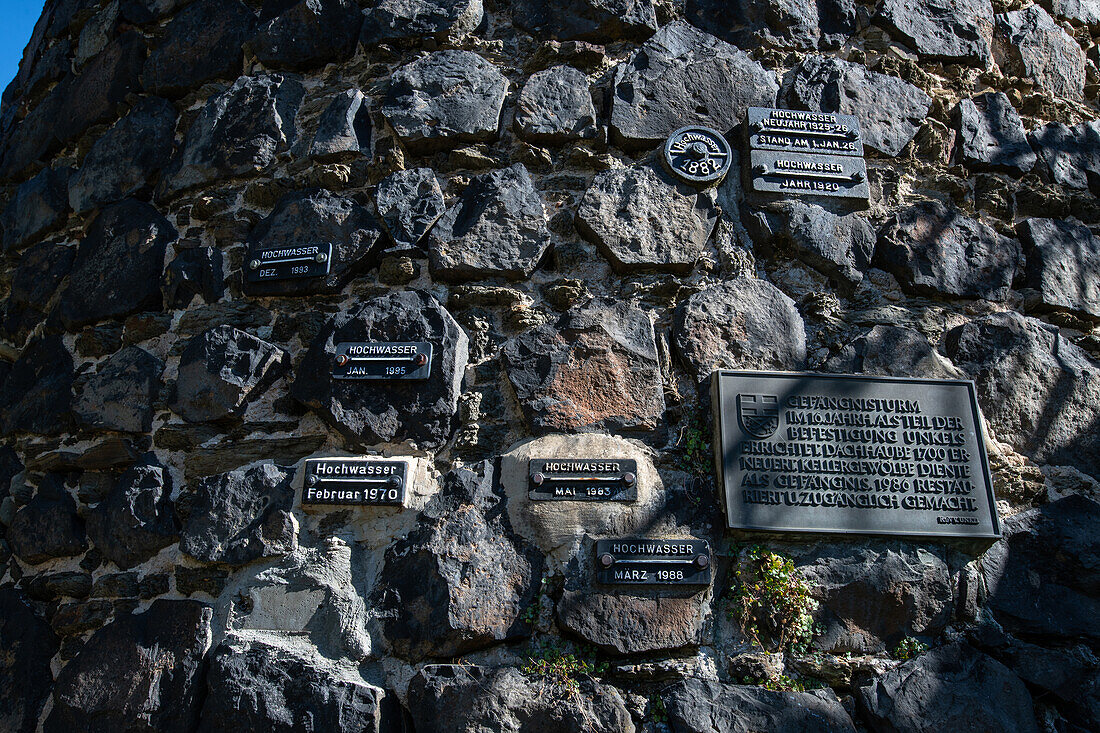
[785,683]
[562,668]
[695,450]
[908,648]
[771,603]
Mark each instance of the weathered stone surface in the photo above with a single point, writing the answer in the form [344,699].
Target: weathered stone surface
[579,20]
[941,691]
[1038,392]
[1042,576]
[65,584]
[450,697]
[628,622]
[934,250]
[120,396]
[595,369]
[643,219]
[460,581]
[497,227]
[367,412]
[221,370]
[741,324]
[136,519]
[952,31]
[37,393]
[344,127]
[991,135]
[890,111]
[38,207]
[1063,264]
[256,684]
[240,516]
[445,100]
[202,42]
[238,133]
[682,76]
[47,526]
[1068,156]
[804,24]
[703,706]
[25,678]
[315,217]
[555,106]
[41,269]
[1029,44]
[409,203]
[141,671]
[839,247]
[118,265]
[1086,12]
[195,272]
[308,34]
[393,20]
[894,351]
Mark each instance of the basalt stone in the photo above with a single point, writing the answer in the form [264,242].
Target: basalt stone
[38,207]
[586,20]
[1038,392]
[194,272]
[706,706]
[47,526]
[221,370]
[740,324]
[394,20]
[66,584]
[555,106]
[1042,576]
[317,217]
[451,697]
[409,203]
[682,76]
[595,369]
[95,34]
[1085,12]
[497,228]
[802,24]
[308,34]
[951,31]
[118,266]
[146,11]
[121,394]
[37,394]
[40,270]
[445,100]
[1029,44]
[942,690]
[991,135]
[871,598]
[202,42]
[367,412]
[1071,675]
[461,580]
[893,351]
[839,247]
[10,467]
[142,671]
[643,219]
[934,250]
[344,127]
[890,111]
[259,685]
[135,520]
[239,516]
[1068,156]
[25,677]
[634,623]
[238,133]
[127,158]
[1063,264]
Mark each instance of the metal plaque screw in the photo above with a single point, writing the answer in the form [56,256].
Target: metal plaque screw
[313,480]
[254,265]
[629,479]
[420,360]
[341,359]
[321,257]
[538,479]
[394,483]
[702,561]
[607,560]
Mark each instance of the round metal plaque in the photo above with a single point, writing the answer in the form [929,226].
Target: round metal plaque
[698,155]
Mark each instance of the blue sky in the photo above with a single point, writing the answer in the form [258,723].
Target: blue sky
[17,19]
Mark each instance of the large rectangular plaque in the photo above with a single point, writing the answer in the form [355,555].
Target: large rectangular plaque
[852,455]
[795,131]
[583,479]
[382,360]
[841,176]
[644,561]
[355,481]
[288,263]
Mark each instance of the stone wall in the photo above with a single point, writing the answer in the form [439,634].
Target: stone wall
[487,174]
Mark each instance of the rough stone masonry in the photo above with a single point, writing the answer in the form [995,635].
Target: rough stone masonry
[485,176]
